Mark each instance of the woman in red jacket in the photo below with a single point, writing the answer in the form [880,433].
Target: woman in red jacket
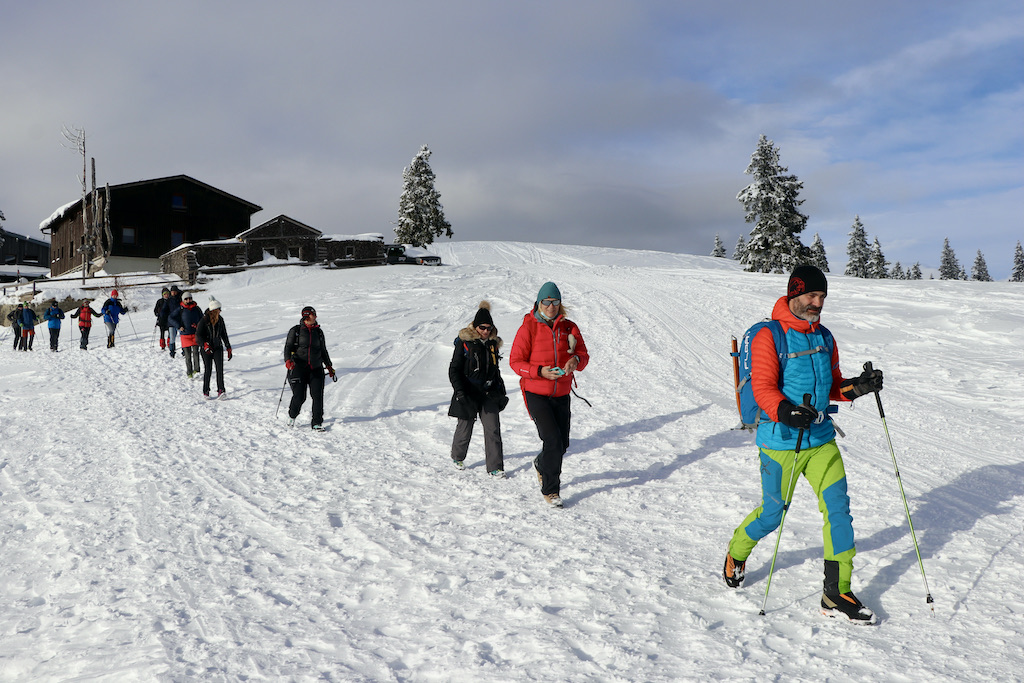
[547,351]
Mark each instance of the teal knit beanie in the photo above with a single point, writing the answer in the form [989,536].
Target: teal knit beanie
[548,291]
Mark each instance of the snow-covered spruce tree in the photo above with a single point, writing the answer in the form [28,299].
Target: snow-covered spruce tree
[771,203]
[878,267]
[420,214]
[818,257]
[857,252]
[963,274]
[1017,275]
[740,250]
[949,267]
[897,272]
[915,272]
[980,270]
[719,250]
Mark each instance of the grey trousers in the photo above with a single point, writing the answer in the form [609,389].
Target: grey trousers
[494,452]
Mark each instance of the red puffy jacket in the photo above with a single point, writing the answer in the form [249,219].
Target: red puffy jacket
[538,346]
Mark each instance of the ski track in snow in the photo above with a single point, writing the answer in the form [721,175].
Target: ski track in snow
[148,534]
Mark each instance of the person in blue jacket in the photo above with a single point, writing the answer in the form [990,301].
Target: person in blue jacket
[53,315]
[185,319]
[112,310]
[28,328]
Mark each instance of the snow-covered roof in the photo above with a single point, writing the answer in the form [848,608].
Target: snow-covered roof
[362,237]
[57,215]
[207,243]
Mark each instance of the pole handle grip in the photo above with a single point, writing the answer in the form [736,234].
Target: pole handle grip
[878,399]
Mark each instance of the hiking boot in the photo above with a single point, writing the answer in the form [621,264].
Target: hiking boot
[459,465]
[848,606]
[291,421]
[553,499]
[318,428]
[734,572]
[497,474]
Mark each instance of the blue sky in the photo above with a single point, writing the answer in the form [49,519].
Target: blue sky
[604,122]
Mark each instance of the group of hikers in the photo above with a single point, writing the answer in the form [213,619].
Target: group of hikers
[794,378]
[794,432]
[24,319]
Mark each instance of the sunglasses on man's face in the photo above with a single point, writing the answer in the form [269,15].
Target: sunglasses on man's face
[485,328]
[550,302]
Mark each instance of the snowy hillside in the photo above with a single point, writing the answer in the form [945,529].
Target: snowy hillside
[147,534]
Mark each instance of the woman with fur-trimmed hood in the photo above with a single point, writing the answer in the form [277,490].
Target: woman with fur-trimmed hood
[479,389]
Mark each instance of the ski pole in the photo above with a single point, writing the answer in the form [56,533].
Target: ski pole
[129,316]
[906,508]
[785,508]
[282,396]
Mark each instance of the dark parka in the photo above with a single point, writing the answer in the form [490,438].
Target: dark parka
[306,346]
[474,372]
[214,335]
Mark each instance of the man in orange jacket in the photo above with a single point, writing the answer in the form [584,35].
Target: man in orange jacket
[812,367]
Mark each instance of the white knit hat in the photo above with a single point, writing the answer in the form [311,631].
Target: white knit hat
[214,304]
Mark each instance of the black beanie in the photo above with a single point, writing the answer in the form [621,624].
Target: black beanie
[806,279]
[483,315]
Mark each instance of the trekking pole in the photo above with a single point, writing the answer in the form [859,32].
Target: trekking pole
[906,508]
[785,508]
[282,396]
[129,316]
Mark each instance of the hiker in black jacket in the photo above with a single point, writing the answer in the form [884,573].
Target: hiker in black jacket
[305,356]
[212,339]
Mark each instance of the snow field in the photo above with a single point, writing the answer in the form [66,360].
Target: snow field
[151,535]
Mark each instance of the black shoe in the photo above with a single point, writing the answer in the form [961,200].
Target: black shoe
[848,606]
[733,571]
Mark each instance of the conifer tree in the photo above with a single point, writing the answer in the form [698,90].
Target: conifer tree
[1017,275]
[771,203]
[719,249]
[818,257]
[420,214]
[949,267]
[878,267]
[915,272]
[897,272]
[740,250]
[857,251]
[963,274]
[980,270]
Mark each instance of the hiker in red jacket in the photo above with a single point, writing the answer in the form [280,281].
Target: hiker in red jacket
[547,350]
[84,315]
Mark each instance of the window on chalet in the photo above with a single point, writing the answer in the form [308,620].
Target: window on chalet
[177,238]
[178,203]
[127,235]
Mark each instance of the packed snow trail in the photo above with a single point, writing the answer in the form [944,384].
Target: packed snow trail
[149,534]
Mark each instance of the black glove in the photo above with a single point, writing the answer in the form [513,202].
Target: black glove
[460,396]
[797,417]
[868,382]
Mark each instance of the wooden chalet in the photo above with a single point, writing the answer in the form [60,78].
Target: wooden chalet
[17,250]
[144,220]
[277,242]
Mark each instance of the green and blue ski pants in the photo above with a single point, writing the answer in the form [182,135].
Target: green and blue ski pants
[822,466]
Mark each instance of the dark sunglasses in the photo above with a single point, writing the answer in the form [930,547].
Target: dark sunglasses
[484,327]
[550,302]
